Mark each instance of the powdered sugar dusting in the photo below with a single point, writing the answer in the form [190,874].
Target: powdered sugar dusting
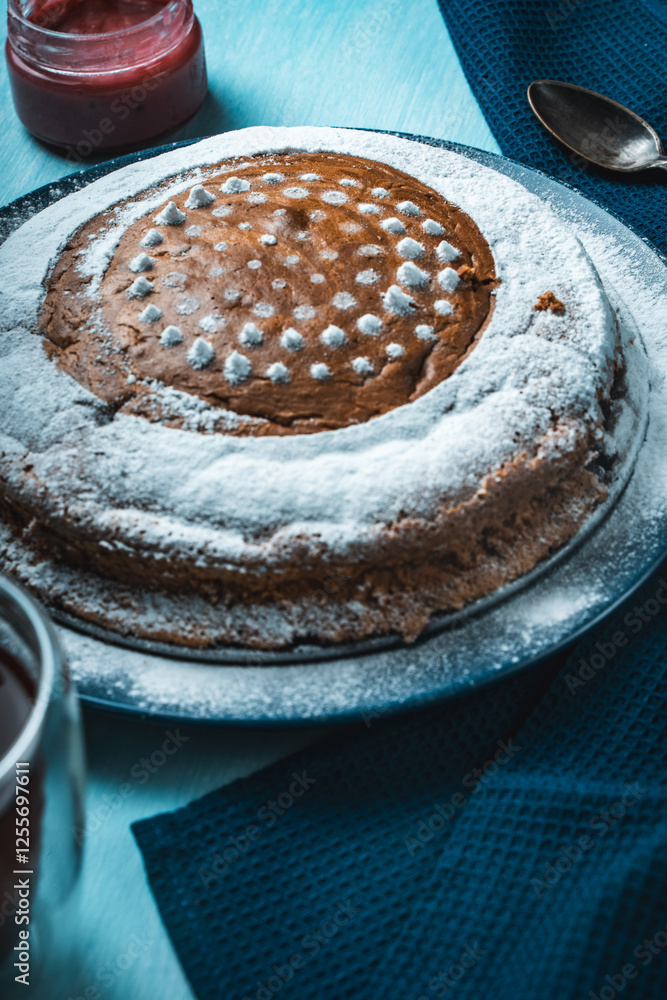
[201,353]
[367,277]
[305,312]
[334,197]
[446,252]
[234,185]
[250,335]
[362,366]
[175,279]
[237,368]
[171,336]
[492,408]
[411,275]
[397,302]
[343,300]
[212,323]
[187,305]
[292,340]
[171,216]
[140,288]
[510,633]
[369,324]
[448,279]
[153,238]
[393,225]
[151,314]
[278,372]
[333,336]
[410,248]
[142,262]
[199,197]
[320,371]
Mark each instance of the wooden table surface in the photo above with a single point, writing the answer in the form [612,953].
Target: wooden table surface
[365,63]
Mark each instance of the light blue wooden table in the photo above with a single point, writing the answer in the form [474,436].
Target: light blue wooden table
[365,63]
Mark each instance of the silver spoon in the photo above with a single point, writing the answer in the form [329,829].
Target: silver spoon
[595,127]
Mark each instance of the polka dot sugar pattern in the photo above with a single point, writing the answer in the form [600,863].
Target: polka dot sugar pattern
[265,274]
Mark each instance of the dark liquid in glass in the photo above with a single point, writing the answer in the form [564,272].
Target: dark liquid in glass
[17,698]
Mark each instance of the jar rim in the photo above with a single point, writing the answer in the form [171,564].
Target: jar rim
[171,6]
[64,55]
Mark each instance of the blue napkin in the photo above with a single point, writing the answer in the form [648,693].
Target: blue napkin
[456,848]
[616,47]
[297,879]
[508,845]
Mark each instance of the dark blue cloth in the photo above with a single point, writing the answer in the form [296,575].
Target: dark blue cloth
[616,47]
[511,844]
[460,848]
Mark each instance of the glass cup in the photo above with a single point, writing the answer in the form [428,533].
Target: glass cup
[41,789]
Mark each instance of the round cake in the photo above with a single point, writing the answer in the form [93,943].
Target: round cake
[295,385]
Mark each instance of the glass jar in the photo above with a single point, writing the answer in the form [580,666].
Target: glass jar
[41,789]
[104,82]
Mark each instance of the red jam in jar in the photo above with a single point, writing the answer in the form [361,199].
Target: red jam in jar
[92,75]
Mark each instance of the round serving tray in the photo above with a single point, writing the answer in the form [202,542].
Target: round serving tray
[515,628]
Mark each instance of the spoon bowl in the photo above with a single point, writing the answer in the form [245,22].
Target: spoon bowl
[593,126]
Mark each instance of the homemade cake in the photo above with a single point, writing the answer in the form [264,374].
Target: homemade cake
[294,385]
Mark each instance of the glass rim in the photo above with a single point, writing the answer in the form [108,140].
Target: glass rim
[14,10]
[49,661]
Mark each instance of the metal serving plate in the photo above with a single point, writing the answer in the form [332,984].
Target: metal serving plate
[517,627]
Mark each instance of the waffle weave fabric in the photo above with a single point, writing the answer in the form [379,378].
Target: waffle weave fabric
[457,850]
[508,845]
[616,48]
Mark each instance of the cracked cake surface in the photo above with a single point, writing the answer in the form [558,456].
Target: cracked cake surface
[295,384]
